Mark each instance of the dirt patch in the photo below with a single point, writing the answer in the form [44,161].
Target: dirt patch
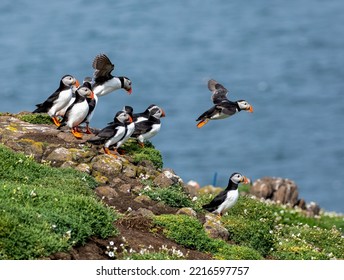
[134,235]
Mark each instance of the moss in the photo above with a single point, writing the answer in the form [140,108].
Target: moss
[140,154]
[236,252]
[36,118]
[189,232]
[173,196]
[46,210]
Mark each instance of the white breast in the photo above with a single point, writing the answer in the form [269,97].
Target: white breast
[107,87]
[63,99]
[120,132]
[231,199]
[77,114]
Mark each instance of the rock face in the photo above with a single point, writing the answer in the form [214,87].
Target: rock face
[280,190]
[214,228]
[59,148]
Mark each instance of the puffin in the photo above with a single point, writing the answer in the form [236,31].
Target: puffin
[91,105]
[138,117]
[222,110]
[146,129]
[228,197]
[223,107]
[130,126]
[78,110]
[59,99]
[104,81]
[113,134]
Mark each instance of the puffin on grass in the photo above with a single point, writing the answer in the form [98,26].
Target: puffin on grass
[59,99]
[223,107]
[113,135]
[228,197]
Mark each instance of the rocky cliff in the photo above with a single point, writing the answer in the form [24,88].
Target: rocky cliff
[159,217]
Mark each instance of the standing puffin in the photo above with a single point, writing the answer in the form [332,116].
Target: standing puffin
[59,99]
[113,134]
[228,197]
[138,117]
[223,108]
[77,111]
[146,129]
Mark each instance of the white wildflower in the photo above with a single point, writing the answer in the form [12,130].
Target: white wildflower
[111,243]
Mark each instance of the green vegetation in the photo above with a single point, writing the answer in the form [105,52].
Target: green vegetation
[139,154]
[173,196]
[284,233]
[189,232]
[258,230]
[46,210]
[36,118]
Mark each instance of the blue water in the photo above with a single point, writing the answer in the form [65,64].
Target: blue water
[286,58]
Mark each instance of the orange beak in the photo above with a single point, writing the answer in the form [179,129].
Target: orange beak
[129,90]
[246,180]
[163,113]
[130,119]
[250,109]
[77,84]
[92,95]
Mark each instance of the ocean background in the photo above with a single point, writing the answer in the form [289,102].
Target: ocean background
[286,58]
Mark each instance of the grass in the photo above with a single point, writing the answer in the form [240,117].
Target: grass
[257,229]
[46,210]
[139,154]
[36,118]
[189,232]
[173,196]
[281,233]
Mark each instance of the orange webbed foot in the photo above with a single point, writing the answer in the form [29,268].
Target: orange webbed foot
[202,123]
[108,152]
[56,121]
[76,134]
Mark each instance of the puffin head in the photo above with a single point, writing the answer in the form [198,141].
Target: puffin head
[244,105]
[237,178]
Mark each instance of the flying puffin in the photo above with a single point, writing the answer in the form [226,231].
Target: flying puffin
[146,129]
[113,134]
[104,81]
[222,110]
[228,197]
[78,110]
[59,99]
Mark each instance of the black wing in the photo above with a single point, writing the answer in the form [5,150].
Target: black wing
[216,202]
[103,68]
[142,127]
[207,114]
[218,90]
[47,104]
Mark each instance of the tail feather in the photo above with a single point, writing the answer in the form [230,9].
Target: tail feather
[40,109]
[96,141]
